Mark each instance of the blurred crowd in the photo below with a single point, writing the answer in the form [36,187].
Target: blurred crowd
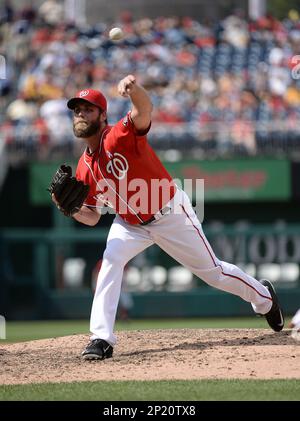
[231,83]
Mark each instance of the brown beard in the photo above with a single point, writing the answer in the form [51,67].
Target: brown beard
[86,130]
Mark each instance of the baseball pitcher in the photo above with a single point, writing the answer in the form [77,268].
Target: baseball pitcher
[119,169]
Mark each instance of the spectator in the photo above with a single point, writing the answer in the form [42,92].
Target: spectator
[52,12]
[7,12]
[195,74]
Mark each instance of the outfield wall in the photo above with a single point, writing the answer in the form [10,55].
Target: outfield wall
[34,289]
[196,303]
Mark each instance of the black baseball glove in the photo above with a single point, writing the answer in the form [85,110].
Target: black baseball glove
[66,192]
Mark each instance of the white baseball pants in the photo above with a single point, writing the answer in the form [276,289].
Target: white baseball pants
[180,234]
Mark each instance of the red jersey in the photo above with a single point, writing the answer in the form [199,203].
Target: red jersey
[125,174]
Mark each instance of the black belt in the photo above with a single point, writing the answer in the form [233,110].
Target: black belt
[163,211]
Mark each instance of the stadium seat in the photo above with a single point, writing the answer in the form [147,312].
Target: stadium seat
[271,271]
[73,272]
[179,279]
[289,272]
[132,277]
[158,277]
[145,284]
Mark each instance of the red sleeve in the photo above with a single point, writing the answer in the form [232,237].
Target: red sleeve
[126,133]
[137,132]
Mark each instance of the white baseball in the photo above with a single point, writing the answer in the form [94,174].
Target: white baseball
[115,34]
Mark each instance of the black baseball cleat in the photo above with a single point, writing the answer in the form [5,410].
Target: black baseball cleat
[274,316]
[97,349]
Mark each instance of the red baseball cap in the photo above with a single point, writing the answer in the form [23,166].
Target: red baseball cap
[90,95]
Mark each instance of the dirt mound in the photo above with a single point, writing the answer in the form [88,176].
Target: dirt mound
[156,355]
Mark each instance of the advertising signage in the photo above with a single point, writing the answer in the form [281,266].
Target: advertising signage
[237,180]
[224,180]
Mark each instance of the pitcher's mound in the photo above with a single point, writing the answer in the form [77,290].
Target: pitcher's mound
[156,355]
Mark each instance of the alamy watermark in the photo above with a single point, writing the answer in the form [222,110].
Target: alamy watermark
[140,197]
[2,327]
[296,69]
[2,67]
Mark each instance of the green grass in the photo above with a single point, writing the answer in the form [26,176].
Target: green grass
[30,330]
[196,390]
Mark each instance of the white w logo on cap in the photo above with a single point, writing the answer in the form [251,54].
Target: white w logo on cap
[84,93]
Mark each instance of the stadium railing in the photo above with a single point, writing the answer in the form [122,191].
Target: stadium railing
[216,139]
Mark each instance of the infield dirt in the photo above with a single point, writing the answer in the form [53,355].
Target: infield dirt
[157,355]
